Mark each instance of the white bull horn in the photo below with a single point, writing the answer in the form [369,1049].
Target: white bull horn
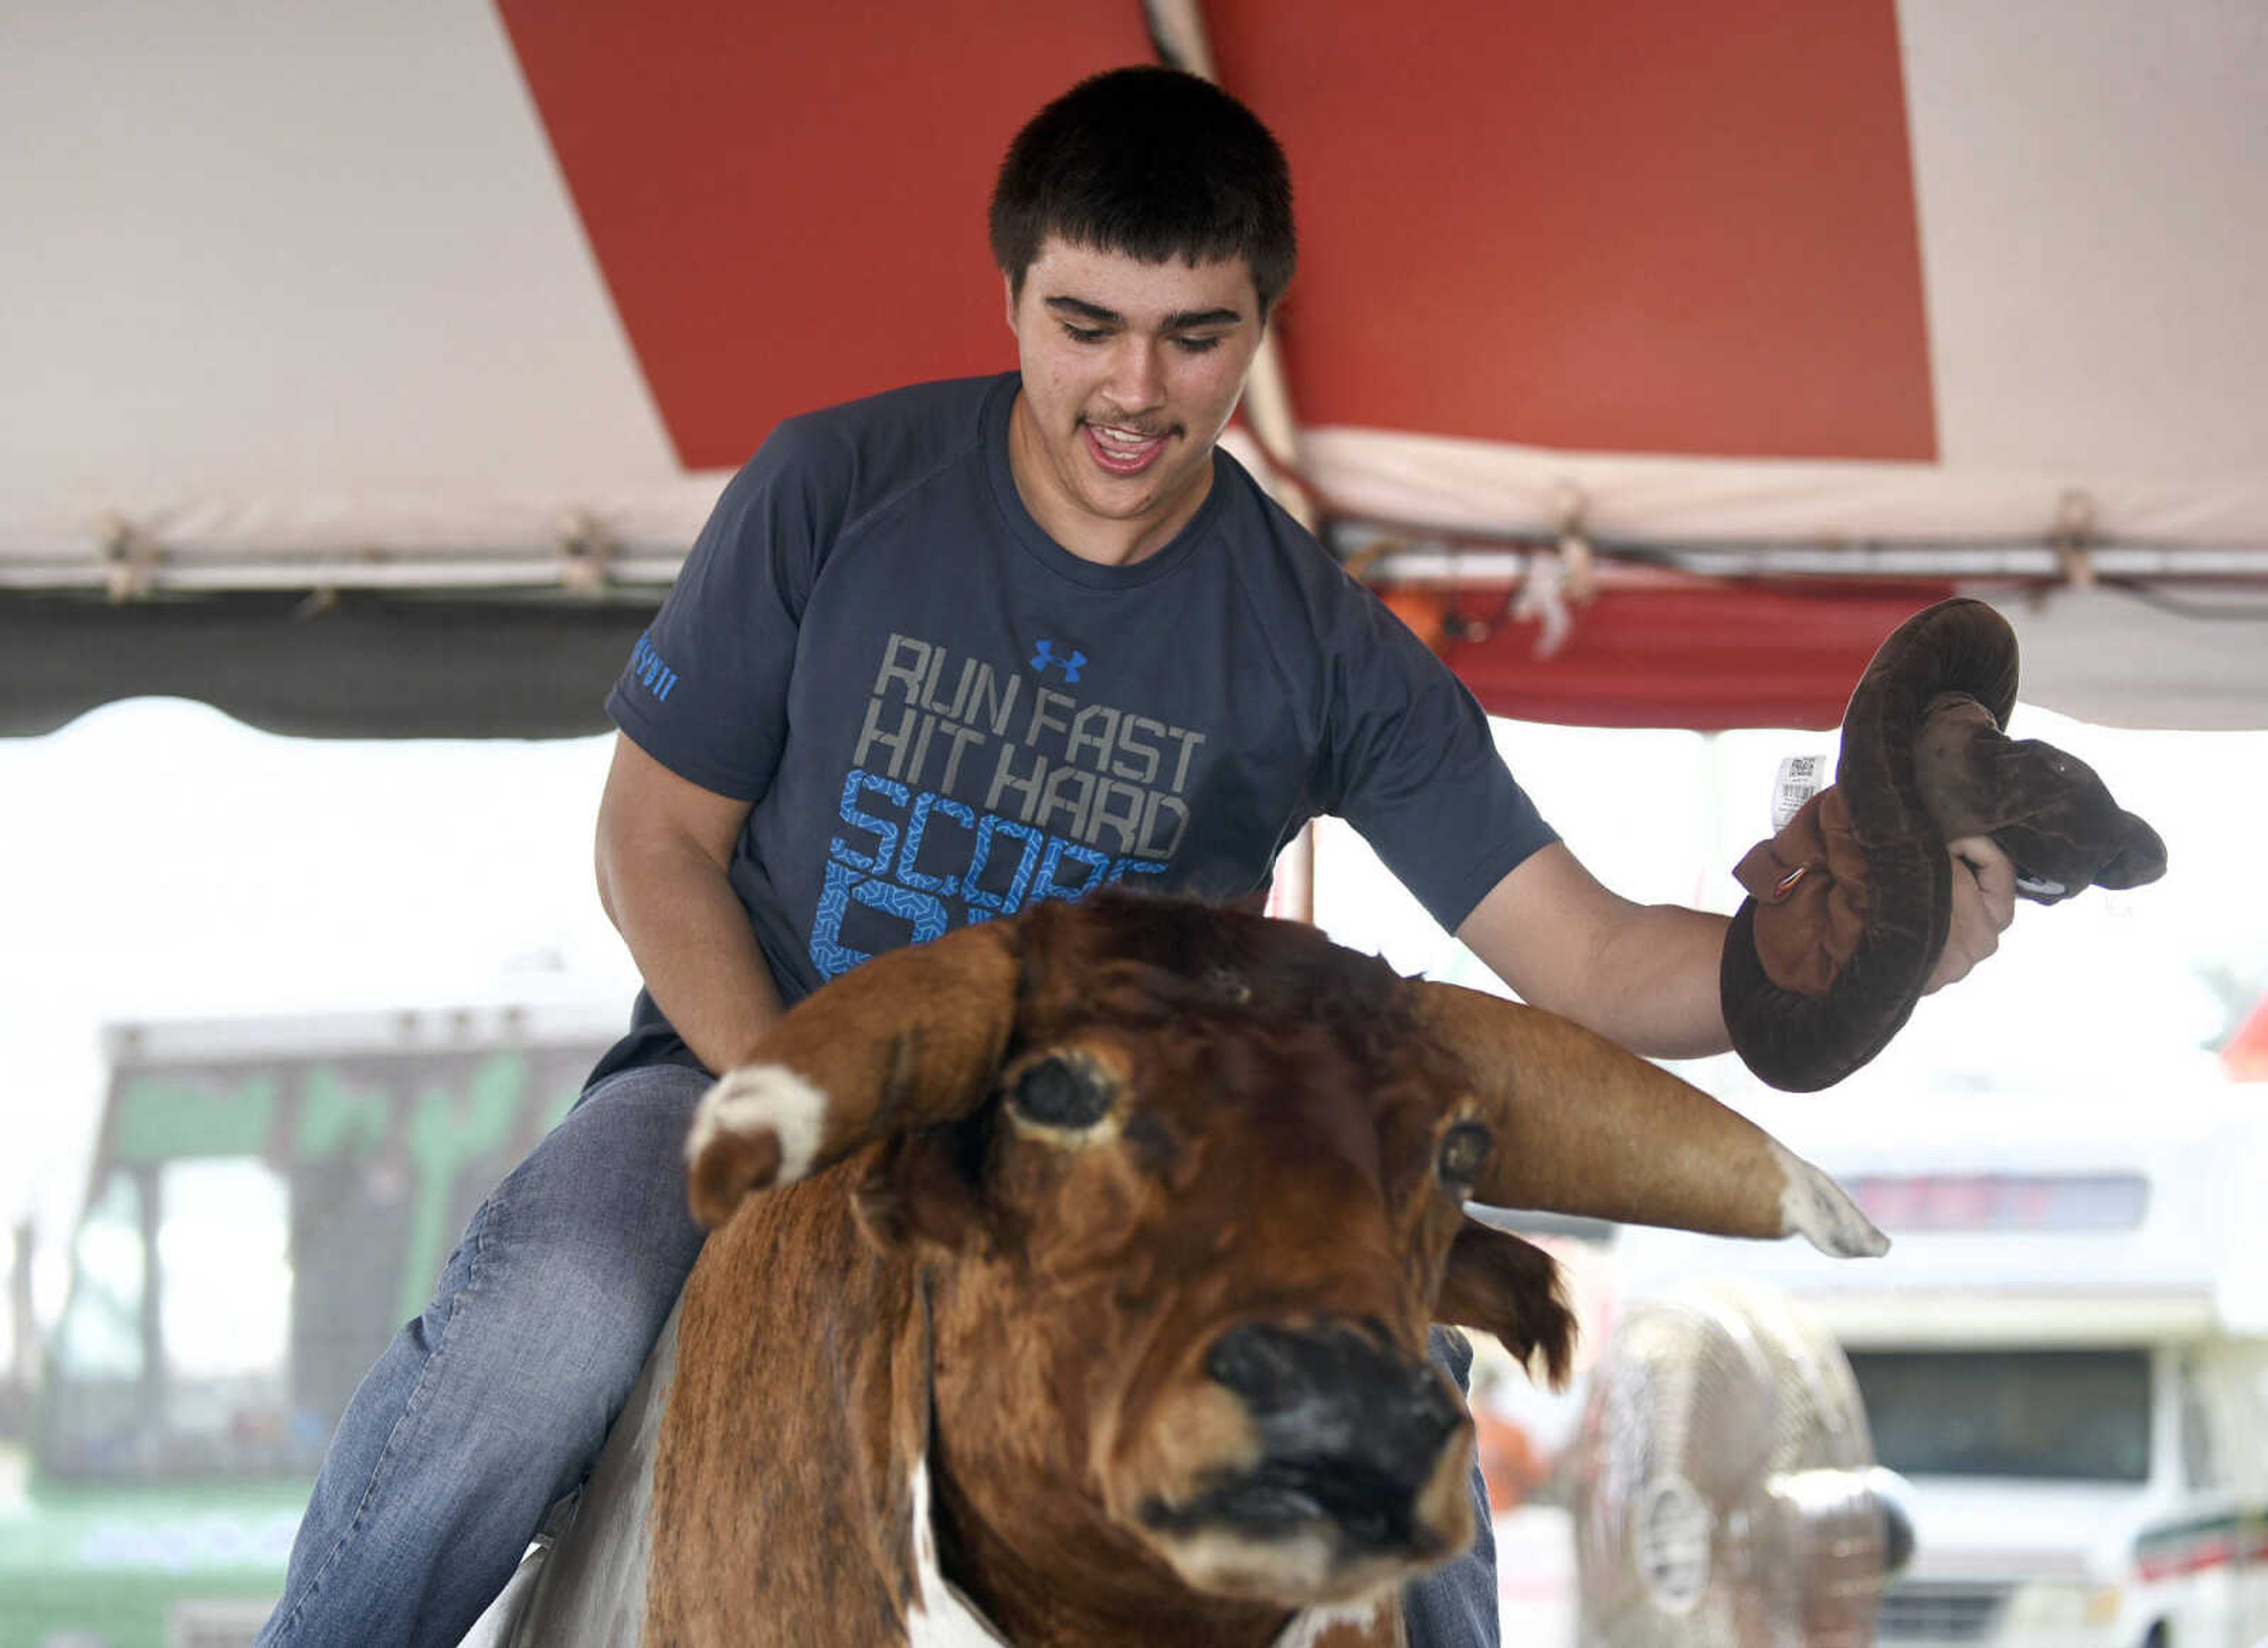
[1584,1127]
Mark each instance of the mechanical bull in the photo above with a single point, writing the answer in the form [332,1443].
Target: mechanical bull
[1071,1281]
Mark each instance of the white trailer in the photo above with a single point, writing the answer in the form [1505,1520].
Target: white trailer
[2065,1352]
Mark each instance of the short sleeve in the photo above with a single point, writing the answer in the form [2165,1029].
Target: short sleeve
[1416,768]
[705,690]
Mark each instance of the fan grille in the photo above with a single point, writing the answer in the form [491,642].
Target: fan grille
[1722,1502]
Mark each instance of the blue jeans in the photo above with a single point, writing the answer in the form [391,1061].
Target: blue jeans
[1457,1606]
[495,1402]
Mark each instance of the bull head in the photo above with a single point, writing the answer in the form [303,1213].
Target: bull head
[1217,1166]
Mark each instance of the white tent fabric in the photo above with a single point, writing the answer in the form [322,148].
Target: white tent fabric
[296,279]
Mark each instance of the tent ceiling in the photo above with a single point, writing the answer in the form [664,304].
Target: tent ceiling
[452,296]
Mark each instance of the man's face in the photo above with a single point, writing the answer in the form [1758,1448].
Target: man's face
[1131,372]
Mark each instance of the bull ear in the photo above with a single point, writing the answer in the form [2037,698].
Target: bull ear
[920,1188]
[1583,1127]
[1510,1288]
[901,1042]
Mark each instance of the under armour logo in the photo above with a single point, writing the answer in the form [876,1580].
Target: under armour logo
[1071,666]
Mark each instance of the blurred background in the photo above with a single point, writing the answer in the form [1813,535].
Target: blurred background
[368,369]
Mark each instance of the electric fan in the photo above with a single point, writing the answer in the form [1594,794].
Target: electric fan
[1724,1488]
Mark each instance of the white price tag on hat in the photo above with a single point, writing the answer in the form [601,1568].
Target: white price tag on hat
[1799,778]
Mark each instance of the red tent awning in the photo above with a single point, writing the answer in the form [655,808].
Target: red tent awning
[1680,654]
[2246,1053]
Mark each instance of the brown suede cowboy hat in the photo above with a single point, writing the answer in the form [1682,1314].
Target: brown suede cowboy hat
[1849,905]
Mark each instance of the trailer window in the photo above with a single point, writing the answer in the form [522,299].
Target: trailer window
[94,1415]
[224,1312]
[174,1355]
[2063,1415]
[101,1334]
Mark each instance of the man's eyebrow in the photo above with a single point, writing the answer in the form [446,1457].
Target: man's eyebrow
[1181,321]
[1188,319]
[1079,308]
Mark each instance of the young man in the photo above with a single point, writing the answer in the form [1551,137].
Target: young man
[938,655]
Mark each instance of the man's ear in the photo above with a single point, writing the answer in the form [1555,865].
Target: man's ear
[1510,1287]
[1008,290]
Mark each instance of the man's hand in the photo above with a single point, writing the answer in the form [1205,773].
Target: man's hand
[1983,904]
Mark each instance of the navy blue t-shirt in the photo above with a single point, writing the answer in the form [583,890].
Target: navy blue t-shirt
[941,716]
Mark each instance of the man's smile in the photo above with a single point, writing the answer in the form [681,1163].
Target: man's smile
[1122,450]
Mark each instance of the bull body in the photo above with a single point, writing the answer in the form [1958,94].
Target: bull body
[1085,1297]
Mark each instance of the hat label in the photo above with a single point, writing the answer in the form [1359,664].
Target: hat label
[1799,778]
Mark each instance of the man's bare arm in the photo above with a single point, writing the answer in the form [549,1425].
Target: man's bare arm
[1645,975]
[665,845]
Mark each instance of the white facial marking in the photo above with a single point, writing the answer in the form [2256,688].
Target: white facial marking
[757,1097]
[1307,1563]
[1815,1205]
[1235,1565]
[1306,1627]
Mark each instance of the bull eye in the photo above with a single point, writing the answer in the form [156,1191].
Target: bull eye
[1062,1092]
[1463,1152]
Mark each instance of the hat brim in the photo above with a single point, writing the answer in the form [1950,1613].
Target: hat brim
[1801,1042]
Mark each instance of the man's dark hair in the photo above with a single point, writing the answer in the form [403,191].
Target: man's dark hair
[1153,164]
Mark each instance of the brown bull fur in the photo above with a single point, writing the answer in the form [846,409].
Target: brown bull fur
[1057,1160]
[799,1343]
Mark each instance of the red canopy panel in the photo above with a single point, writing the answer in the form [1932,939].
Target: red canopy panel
[1670,226]
[2245,1054]
[1638,225]
[1703,656]
[787,203]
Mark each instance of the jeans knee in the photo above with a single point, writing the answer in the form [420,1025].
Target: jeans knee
[547,1323]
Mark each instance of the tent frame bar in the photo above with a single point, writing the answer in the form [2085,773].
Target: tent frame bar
[1381,555]
[1385,557]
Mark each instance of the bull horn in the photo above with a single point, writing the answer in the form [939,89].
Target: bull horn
[1584,1128]
[901,1042]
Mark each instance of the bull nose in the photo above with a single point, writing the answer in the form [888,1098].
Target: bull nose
[1336,1381]
[1341,1412]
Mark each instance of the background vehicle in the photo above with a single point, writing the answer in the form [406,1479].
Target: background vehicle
[269,1198]
[2065,1353]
